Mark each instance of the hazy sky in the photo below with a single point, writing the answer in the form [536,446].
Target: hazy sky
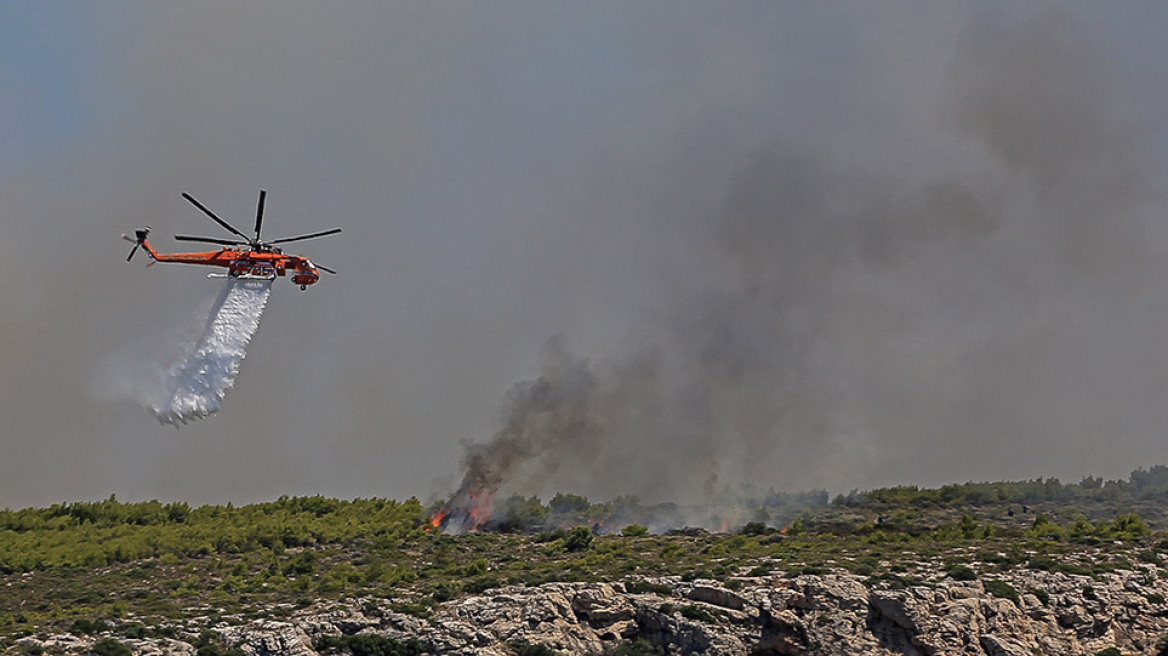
[793,244]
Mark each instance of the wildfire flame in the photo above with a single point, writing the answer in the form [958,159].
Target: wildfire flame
[436,520]
[465,513]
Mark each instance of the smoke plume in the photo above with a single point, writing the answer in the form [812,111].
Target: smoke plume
[846,316]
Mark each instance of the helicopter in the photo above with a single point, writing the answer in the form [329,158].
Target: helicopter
[256,259]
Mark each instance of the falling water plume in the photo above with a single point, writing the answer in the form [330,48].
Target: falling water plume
[195,386]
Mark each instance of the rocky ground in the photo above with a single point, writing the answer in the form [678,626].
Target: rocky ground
[1014,613]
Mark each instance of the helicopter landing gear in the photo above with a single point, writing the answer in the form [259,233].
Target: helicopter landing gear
[303,288]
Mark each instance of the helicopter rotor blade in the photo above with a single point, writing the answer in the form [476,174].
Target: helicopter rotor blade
[211,240]
[260,214]
[230,228]
[324,268]
[132,251]
[323,233]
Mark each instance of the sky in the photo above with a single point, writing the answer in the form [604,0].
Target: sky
[655,248]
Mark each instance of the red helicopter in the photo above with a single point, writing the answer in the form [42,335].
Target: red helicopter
[259,259]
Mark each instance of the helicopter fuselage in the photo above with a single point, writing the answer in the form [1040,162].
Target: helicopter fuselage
[245,257]
[249,263]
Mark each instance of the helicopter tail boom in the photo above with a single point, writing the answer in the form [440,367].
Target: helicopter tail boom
[139,240]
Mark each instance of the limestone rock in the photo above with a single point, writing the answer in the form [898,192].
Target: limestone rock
[836,613]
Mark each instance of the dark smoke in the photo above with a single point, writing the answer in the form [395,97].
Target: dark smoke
[544,420]
[839,318]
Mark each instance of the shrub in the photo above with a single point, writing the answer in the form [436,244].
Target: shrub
[697,613]
[999,588]
[565,503]
[1089,592]
[481,584]
[446,591]
[1129,527]
[579,539]
[961,573]
[862,569]
[754,528]
[634,531]
[645,587]
[210,644]
[1155,598]
[550,536]
[110,647]
[1110,651]
[303,563]
[89,627]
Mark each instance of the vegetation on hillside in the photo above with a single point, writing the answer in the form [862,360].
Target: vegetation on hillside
[128,568]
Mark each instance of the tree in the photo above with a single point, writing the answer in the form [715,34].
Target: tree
[579,539]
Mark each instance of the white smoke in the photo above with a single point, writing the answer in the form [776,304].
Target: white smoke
[195,386]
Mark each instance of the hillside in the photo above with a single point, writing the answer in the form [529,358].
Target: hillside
[1014,566]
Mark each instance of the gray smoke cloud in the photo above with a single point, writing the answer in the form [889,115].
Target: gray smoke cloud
[788,245]
[868,320]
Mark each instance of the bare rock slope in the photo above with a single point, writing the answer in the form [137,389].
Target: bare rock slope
[1020,613]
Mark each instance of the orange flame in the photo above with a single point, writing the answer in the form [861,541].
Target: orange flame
[480,510]
[436,521]
[466,512]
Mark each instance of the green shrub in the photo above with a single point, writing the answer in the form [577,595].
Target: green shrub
[110,647]
[754,528]
[862,569]
[446,591]
[697,613]
[999,588]
[303,563]
[1155,598]
[579,539]
[645,587]
[961,573]
[1110,651]
[551,536]
[481,584]
[634,531]
[89,627]
[210,644]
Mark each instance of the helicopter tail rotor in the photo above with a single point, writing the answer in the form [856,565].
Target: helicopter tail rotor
[139,237]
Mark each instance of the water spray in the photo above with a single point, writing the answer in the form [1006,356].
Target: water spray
[196,385]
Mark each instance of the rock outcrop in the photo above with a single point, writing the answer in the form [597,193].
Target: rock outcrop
[1017,613]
